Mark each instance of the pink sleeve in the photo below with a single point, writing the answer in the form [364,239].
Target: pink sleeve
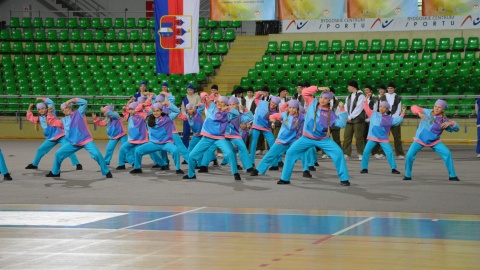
[258,96]
[307,94]
[149,102]
[100,123]
[54,122]
[212,97]
[140,111]
[284,107]
[182,117]
[276,117]
[125,114]
[32,118]
[75,100]
[367,109]
[416,109]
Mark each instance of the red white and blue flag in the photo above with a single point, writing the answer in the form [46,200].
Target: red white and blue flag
[176,28]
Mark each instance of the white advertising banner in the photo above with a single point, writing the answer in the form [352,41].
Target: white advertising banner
[381,24]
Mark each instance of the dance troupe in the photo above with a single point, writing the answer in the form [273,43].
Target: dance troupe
[226,126]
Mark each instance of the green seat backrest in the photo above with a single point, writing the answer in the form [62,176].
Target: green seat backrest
[130,23]
[119,23]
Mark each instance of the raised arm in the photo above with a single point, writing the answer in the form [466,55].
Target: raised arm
[232,114]
[367,109]
[258,97]
[182,116]
[82,105]
[52,119]
[30,116]
[139,110]
[275,117]
[284,107]
[246,117]
[308,93]
[200,108]
[416,109]
[174,111]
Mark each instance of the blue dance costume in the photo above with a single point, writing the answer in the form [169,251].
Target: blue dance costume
[261,124]
[315,133]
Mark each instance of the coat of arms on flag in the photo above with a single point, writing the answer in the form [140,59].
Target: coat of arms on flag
[176,28]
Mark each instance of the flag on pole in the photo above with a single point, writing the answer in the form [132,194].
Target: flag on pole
[176,36]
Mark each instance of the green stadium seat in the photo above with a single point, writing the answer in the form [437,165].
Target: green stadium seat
[53,47]
[77,48]
[323,46]
[217,35]
[142,23]
[84,23]
[310,47]
[463,72]
[107,23]
[470,56]
[402,45]
[37,22]
[272,47]
[472,44]
[4,35]
[458,44]
[349,46]
[455,56]
[297,47]
[28,34]
[64,35]
[130,23]
[151,24]
[66,48]
[427,57]
[41,47]
[376,46]
[101,48]
[17,47]
[52,35]
[222,48]
[399,57]
[444,44]
[14,22]
[125,48]
[211,24]
[229,35]
[150,48]
[122,35]
[72,23]
[137,48]
[29,47]
[389,45]
[40,35]
[224,24]
[87,35]
[17,34]
[89,48]
[284,47]
[119,23]
[204,35]
[75,35]
[110,36]
[49,23]
[201,22]
[236,24]
[99,35]
[362,46]
[96,23]
[412,56]
[113,48]
[216,60]
[210,48]
[134,35]
[336,46]
[430,44]
[26,23]
[146,35]
[417,45]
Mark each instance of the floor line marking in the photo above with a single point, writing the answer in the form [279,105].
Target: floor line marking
[353,226]
[162,218]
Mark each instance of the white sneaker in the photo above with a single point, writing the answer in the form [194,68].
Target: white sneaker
[346,157]
[219,155]
[359,157]
[325,156]
[379,156]
[258,152]
[401,157]
[478,155]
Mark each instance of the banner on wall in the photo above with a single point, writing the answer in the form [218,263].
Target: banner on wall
[242,10]
[176,36]
[382,24]
[382,9]
[450,7]
[310,9]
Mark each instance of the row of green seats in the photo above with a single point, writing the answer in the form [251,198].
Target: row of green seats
[213,48]
[103,59]
[78,48]
[83,23]
[374,46]
[76,35]
[206,23]
[216,35]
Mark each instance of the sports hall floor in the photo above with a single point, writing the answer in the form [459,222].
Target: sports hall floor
[159,221]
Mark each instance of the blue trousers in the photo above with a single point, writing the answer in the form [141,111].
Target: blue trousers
[440,148]
[310,157]
[299,147]
[193,143]
[253,143]
[68,149]
[478,140]
[387,149]
[111,147]
[128,147]
[197,153]
[149,148]
[271,158]
[181,147]
[186,133]
[3,165]
[47,145]
[242,152]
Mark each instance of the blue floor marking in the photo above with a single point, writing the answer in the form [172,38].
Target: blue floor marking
[418,228]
